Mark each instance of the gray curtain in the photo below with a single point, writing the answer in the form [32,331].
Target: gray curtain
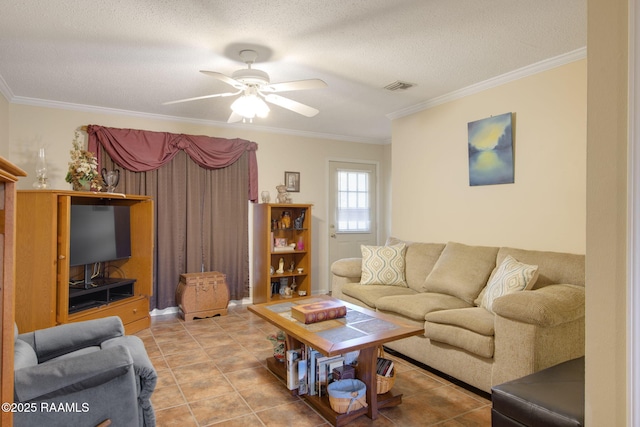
[201,218]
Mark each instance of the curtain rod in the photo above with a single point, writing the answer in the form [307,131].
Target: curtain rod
[83,128]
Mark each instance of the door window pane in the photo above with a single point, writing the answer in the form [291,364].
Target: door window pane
[354,207]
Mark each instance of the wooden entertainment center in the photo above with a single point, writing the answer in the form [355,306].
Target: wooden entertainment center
[44,297]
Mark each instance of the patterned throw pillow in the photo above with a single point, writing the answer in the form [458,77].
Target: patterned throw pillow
[383,265]
[511,276]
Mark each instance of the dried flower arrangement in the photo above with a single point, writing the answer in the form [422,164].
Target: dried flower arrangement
[83,168]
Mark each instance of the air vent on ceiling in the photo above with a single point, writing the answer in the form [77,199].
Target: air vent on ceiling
[399,85]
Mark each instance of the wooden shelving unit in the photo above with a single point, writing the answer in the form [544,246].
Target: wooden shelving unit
[44,297]
[270,229]
[9,174]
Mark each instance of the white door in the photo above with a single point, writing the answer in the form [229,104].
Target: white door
[352,209]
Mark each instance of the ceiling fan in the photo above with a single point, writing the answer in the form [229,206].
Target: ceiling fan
[256,88]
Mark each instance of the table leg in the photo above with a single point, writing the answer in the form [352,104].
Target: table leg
[367,361]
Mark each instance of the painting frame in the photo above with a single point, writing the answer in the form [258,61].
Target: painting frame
[292,181]
[490,150]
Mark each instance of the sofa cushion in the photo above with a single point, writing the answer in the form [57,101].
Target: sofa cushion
[553,267]
[470,329]
[417,306]
[370,294]
[461,271]
[383,265]
[419,260]
[510,276]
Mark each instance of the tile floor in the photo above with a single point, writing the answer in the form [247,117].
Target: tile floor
[211,372]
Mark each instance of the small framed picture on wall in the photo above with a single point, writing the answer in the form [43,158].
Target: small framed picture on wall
[292,181]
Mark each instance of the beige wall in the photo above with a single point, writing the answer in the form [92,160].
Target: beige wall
[32,127]
[543,209]
[607,327]
[4,124]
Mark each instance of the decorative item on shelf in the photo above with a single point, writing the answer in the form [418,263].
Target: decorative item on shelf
[294,285]
[278,341]
[280,269]
[288,292]
[300,270]
[111,179]
[283,195]
[300,244]
[41,170]
[83,168]
[286,219]
[280,242]
[275,288]
[292,266]
[299,221]
[265,196]
[284,285]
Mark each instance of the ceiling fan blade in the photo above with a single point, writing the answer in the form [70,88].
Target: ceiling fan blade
[295,85]
[224,78]
[234,117]
[292,105]
[215,95]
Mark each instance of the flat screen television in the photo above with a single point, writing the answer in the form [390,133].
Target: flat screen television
[98,233]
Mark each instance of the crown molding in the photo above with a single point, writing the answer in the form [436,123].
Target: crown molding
[5,90]
[36,102]
[520,73]
[530,70]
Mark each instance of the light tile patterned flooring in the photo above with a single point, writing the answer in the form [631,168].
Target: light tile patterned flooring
[211,372]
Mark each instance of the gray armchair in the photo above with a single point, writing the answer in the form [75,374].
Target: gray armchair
[83,374]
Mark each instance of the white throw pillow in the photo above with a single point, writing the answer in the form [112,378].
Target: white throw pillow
[383,265]
[510,276]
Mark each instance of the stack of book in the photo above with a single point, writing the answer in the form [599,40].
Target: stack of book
[384,367]
[309,372]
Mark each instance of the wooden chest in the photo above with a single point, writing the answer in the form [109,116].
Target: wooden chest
[202,295]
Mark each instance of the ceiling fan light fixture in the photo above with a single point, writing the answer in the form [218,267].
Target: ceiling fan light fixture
[253,84]
[249,106]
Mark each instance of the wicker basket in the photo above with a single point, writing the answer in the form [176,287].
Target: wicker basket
[347,395]
[384,384]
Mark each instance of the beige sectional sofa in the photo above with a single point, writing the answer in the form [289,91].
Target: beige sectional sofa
[444,291]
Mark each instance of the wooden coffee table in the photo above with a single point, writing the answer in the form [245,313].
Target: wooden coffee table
[362,329]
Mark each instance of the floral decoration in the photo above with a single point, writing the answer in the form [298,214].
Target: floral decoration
[83,167]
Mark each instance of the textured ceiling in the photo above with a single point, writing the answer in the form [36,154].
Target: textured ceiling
[134,55]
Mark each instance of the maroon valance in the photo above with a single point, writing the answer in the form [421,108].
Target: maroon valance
[143,150]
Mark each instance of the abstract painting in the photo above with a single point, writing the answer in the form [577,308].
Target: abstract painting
[491,151]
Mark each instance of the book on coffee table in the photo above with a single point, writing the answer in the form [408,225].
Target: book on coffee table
[318,311]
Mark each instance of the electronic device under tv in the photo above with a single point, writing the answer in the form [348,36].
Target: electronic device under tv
[98,233]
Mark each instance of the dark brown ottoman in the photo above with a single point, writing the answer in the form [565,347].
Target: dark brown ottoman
[551,397]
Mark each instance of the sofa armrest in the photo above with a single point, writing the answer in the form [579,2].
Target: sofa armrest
[347,267]
[142,365]
[70,375]
[62,339]
[548,306]
[343,271]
